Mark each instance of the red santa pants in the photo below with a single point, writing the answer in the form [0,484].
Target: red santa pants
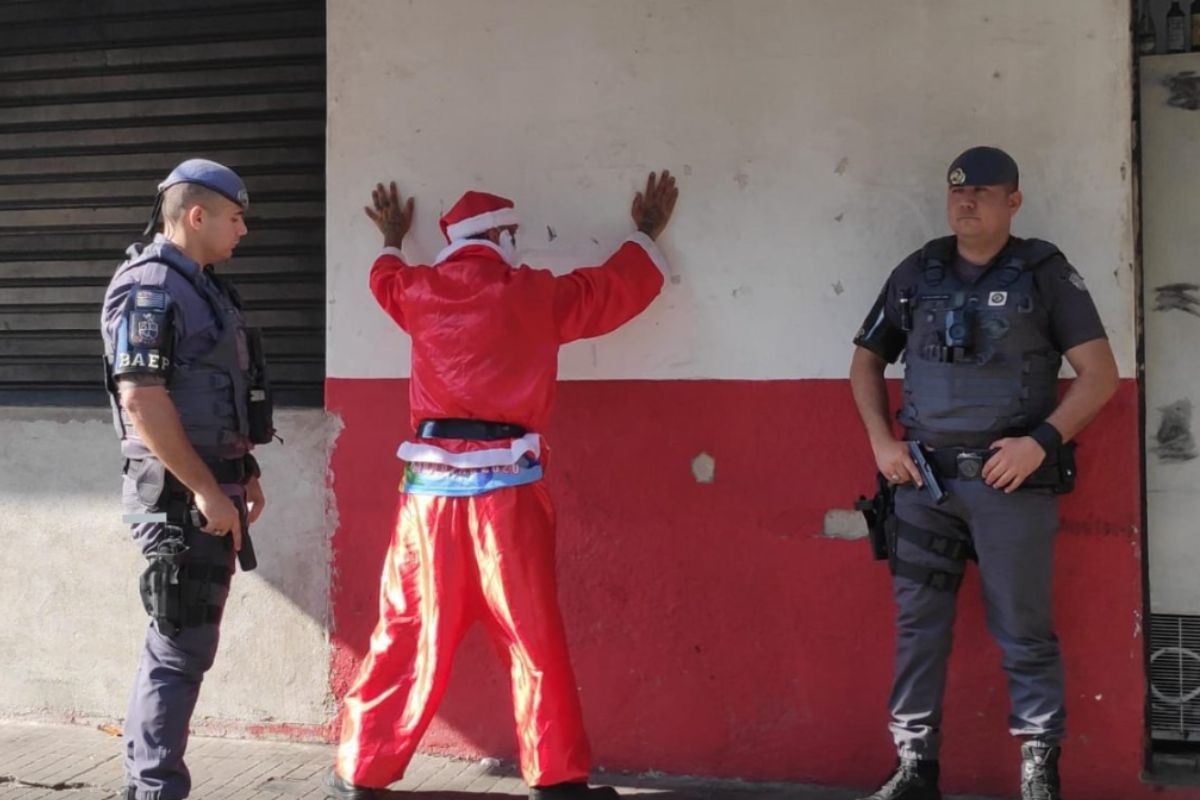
[453,560]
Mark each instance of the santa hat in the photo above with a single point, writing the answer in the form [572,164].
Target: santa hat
[475,213]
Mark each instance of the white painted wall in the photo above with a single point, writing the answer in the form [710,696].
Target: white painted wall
[811,140]
[1170,242]
[72,624]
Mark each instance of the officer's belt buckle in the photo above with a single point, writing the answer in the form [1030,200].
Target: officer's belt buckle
[968,465]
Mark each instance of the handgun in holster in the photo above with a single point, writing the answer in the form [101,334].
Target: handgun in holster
[177,591]
[879,512]
[161,584]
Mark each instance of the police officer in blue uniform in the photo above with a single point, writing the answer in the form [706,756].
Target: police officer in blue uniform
[190,399]
[984,320]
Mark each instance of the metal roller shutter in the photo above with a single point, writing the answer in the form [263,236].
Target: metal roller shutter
[99,99]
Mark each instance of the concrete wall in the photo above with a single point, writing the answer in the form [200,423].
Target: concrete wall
[714,628]
[72,623]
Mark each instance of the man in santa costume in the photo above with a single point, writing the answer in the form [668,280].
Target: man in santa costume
[474,537]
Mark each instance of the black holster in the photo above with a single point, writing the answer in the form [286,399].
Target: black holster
[161,585]
[879,512]
[177,591]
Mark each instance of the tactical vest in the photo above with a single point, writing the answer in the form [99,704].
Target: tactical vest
[979,361]
[212,392]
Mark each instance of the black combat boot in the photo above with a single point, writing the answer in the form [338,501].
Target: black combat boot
[336,788]
[573,791]
[1039,771]
[912,780]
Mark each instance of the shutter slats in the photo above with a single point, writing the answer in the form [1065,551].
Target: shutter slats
[82,28]
[44,214]
[117,61]
[99,99]
[81,272]
[296,156]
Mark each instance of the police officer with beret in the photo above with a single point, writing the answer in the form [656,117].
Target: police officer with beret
[190,399]
[984,320]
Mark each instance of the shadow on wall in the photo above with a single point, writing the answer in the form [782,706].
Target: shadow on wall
[70,455]
[292,538]
[61,512]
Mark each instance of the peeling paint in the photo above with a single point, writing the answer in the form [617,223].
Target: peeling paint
[844,523]
[1174,435]
[1177,297]
[704,468]
[1185,90]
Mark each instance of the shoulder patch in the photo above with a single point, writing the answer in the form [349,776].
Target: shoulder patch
[154,299]
[147,329]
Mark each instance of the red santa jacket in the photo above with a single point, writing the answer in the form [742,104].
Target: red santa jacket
[485,336]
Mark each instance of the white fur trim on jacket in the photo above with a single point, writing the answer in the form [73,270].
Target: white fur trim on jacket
[482,222]
[459,244]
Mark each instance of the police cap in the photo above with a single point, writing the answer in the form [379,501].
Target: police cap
[983,166]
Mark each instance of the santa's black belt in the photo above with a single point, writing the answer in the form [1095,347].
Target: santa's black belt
[477,429]
[966,464]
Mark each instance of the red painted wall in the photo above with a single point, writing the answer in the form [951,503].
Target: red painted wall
[715,630]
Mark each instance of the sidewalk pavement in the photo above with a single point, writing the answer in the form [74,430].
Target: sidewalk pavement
[68,762]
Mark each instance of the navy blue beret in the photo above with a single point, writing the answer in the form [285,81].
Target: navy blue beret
[209,174]
[983,166]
